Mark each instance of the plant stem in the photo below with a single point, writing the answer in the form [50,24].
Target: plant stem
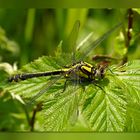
[36,109]
[128,36]
[130,24]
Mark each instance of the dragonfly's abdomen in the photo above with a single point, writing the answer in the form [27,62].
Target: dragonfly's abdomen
[25,76]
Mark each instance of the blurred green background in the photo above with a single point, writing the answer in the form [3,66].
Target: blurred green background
[28,34]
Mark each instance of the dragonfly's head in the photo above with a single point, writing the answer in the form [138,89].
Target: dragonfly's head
[100,70]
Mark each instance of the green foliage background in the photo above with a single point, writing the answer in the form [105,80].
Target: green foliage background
[28,34]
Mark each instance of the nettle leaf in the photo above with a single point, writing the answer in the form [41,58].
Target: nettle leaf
[30,87]
[133,117]
[64,103]
[129,74]
[105,109]
[62,111]
[103,105]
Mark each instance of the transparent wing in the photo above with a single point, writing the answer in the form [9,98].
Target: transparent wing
[71,47]
[44,90]
[71,42]
[88,44]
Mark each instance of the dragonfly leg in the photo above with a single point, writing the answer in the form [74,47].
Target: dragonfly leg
[94,82]
[65,85]
[68,80]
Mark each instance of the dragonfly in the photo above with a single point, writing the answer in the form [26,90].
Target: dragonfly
[79,70]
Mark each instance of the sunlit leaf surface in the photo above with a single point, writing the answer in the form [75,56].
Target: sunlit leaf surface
[104,105]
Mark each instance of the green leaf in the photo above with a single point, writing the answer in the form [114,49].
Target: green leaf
[12,117]
[31,87]
[105,110]
[60,112]
[129,74]
[6,44]
[133,117]
[103,105]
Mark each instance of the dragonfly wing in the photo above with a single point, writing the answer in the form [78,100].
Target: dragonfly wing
[75,113]
[71,42]
[93,44]
[44,90]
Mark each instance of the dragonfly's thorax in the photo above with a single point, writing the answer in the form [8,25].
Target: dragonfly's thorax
[85,70]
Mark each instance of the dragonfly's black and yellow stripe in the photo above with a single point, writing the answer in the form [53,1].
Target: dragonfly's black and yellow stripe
[80,70]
